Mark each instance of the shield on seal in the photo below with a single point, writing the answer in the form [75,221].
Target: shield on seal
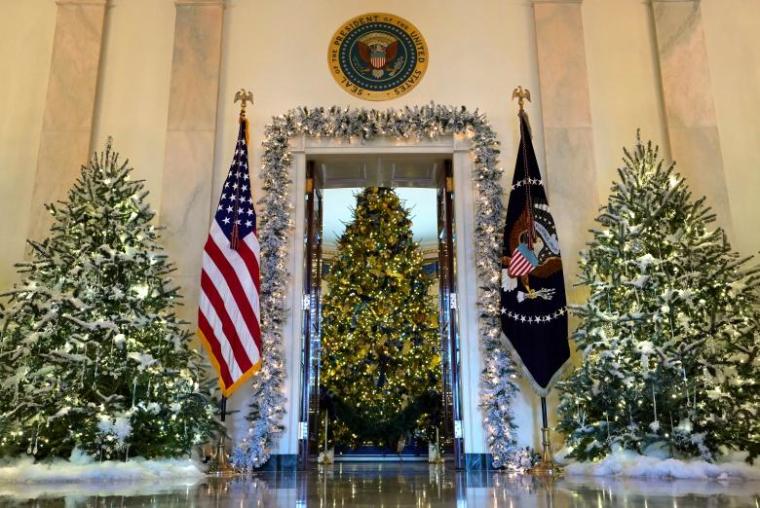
[378,49]
[377,57]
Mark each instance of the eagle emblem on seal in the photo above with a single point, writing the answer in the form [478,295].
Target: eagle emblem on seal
[535,253]
[379,53]
[377,56]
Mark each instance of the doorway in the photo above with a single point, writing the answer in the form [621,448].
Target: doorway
[332,175]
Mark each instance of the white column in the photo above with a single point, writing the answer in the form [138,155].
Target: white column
[69,105]
[568,135]
[689,109]
[189,160]
[569,143]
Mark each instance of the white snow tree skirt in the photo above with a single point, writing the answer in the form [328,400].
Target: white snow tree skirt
[60,471]
[633,465]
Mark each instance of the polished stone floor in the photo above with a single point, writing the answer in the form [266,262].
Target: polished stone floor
[390,485]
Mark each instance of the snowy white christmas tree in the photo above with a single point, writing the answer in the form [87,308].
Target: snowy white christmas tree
[92,356]
[669,335]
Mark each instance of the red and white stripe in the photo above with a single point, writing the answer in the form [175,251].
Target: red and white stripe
[519,265]
[229,311]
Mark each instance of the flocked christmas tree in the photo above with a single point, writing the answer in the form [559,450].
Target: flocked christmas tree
[380,347]
[669,334]
[92,355]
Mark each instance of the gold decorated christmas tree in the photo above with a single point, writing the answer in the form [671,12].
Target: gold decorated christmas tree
[380,349]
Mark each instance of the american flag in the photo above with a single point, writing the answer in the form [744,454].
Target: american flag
[522,262]
[229,314]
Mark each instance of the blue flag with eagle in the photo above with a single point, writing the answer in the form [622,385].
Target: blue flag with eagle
[533,305]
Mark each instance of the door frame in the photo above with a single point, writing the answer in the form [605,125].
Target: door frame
[311,326]
[469,428]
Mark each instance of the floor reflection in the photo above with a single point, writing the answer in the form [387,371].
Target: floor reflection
[389,485]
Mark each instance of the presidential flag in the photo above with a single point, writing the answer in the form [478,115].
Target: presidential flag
[533,306]
[229,313]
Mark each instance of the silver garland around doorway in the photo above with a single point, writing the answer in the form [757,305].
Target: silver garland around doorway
[357,125]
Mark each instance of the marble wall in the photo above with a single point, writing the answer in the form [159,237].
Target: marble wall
[135,85]
[26,35]
[568,132]
[623,73]
[69,106]
[190,132]
[569,171]
[733,56]
[159,75]
[689,106]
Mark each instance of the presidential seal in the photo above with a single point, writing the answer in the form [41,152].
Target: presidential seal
[377,56]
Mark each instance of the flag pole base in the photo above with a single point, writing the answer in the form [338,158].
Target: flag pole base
[547,466]
[220,466]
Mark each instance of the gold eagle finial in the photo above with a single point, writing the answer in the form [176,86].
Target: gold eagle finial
[244,97]
[521,94]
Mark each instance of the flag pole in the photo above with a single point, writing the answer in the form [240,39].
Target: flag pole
[221,466]
[546,466]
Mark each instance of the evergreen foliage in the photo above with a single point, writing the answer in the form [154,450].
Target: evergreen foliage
[669,334]
[92,355]
[380,343]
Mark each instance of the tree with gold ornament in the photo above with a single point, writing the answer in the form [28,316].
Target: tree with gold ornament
[380,348]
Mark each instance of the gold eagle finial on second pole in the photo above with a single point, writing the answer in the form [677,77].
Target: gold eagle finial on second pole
[244,97]
[521,94]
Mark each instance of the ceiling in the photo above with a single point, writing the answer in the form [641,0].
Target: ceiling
[358,171]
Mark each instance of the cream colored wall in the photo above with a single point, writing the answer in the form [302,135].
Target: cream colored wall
[479,50]
[26,38]
[133,92]
[279,50]
[732,34]
[623,82]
